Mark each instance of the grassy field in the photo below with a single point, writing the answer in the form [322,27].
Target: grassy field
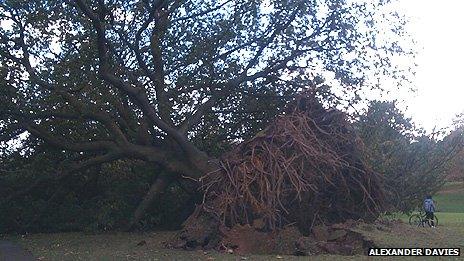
[149,246]
[124,246]
[451,198]
[450,205]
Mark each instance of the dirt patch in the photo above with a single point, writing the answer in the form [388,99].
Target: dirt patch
[339,239]
[246,240]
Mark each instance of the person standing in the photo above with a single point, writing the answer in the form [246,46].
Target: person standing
[429,208]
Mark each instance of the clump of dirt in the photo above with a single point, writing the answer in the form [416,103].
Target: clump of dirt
[201,230]
[244,239]
[340,239]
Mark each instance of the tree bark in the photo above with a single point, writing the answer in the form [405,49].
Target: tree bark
[157,188]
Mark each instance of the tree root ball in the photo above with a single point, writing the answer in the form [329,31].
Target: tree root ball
[305,170]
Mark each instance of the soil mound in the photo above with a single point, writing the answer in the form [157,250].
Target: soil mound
[340,239]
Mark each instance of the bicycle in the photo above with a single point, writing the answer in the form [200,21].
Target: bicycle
[420,220]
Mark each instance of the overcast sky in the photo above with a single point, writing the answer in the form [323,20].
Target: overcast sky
[438,27]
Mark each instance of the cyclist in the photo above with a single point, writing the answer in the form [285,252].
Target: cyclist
[429,208]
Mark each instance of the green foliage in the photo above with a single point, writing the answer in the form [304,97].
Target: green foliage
[413,163]
[100,199]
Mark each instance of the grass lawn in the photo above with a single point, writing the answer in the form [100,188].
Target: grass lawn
[450,219]
[126,246]
[149,246]
[451,198]
[450,205]
[123,246]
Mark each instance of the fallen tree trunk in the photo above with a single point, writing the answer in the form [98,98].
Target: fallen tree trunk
[156,189]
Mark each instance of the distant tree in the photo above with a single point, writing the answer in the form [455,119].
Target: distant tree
[169,82]
[413,164]
[456,170]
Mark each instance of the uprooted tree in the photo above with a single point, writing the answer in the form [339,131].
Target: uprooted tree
[306,169]
[167,81]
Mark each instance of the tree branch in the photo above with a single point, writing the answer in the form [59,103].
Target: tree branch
[65,144]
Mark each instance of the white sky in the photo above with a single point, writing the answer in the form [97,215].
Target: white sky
[438,27]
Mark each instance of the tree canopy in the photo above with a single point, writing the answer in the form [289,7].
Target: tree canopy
[172,82]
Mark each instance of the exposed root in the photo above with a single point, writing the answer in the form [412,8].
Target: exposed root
[303,172]
[306,167]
